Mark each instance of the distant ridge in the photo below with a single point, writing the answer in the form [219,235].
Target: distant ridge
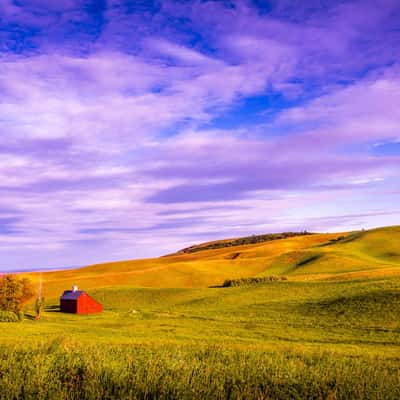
[38,269]
[253,239]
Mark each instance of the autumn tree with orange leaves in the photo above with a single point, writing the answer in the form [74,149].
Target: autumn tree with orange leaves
[14,293]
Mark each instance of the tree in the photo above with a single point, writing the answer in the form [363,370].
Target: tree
[39,304]
[14,293]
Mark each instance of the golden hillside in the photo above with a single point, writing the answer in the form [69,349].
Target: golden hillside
[306,257]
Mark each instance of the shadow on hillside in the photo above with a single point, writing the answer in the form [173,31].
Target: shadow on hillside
[52,309]
[351,237]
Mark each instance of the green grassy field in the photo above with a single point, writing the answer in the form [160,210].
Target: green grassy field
[331,331]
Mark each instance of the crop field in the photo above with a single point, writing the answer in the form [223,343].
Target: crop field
[329,330]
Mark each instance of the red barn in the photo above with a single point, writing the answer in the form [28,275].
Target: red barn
[79,302]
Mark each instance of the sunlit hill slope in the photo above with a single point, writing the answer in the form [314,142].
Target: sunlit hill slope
[349,255]
[336,256]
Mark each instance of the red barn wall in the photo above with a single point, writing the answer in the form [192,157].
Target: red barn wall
[87,305]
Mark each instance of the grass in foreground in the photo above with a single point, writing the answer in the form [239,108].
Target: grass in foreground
[63,370]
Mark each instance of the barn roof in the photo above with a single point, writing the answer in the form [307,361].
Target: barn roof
[71,295]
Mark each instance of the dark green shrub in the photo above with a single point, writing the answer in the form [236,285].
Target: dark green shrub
[8,316]
[253,281]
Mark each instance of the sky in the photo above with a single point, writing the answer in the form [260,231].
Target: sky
[133,128]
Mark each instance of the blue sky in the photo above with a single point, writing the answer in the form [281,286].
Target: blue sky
[134,128]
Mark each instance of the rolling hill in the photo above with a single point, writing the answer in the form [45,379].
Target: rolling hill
[333,256]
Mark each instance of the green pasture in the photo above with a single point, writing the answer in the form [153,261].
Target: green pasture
[300,338]
[354,316]
[274,340]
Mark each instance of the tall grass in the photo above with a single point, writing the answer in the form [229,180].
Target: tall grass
[64,370]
